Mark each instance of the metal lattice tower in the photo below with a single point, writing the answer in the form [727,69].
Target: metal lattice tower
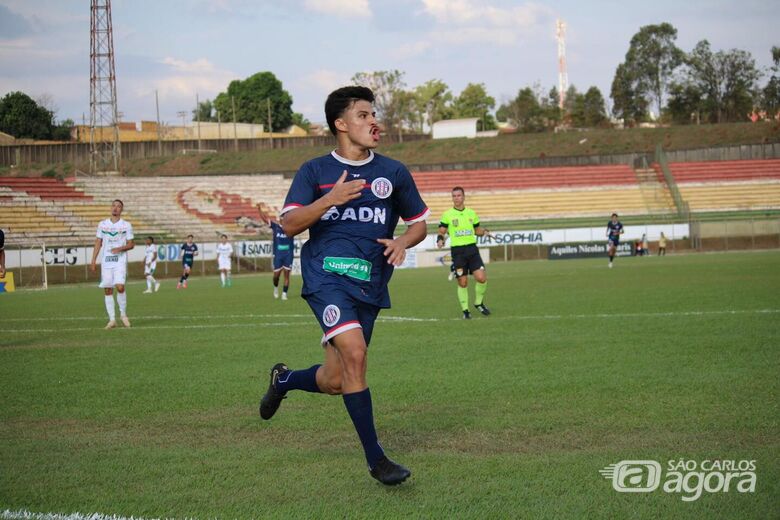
[105,150]
[563,75]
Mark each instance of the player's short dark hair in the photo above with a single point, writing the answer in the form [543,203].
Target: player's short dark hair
[150,237]
[460,189]
[614,215]
[223,235]
[119,201]
[341,99]
[190,236]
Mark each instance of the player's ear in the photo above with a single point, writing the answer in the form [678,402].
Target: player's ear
[340,125]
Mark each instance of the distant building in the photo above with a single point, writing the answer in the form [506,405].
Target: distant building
[6,139]
[455,128]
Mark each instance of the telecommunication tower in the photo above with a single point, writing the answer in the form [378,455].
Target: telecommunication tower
[563,76]
[105,150]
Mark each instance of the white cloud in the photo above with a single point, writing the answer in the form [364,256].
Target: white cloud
[200,66]
[410,50]
[470,21]
[340,8]
[323,81]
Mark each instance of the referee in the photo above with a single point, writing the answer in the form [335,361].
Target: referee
[462,224]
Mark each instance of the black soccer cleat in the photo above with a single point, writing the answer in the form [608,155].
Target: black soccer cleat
[389,473]
[273,398]
[466,315]
[481,308]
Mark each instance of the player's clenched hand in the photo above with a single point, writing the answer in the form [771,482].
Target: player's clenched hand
[395,250]
[344,191]
[92,267]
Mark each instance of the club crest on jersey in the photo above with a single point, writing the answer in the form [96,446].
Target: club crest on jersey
[381,187]
[331,315]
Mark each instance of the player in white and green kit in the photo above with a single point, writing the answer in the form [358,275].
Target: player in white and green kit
[113,240]
[462,224]
[150,264]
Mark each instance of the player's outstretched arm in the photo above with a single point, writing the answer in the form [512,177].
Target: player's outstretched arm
[300,219]
[95,253]
[395,249]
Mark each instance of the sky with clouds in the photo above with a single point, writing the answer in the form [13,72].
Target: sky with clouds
[183,47]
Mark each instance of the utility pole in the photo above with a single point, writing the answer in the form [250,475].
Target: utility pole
[197,117]
[159,135]
[235,134]
[270,127]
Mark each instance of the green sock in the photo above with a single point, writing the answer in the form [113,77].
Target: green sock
[479,289]
[463,297]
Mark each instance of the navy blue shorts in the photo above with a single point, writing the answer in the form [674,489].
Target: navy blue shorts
[283,260]
[613,242]
[339,312]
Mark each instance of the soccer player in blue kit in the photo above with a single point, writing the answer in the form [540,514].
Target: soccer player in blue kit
[189,250]
[350,201]
[284,247]
[614,230]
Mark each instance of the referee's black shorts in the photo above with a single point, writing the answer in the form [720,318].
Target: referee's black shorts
[466,259]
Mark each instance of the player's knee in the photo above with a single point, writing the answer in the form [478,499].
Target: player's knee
[354,361]
[463,281]
[120,289]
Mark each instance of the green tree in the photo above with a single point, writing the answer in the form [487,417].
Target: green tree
[474,101]
[770,94]
[652,58]
[251,97]
[628,103]
[22,117]
[61,131]
[685,103]
[727,81]
[299,120]
[432,101]
[206,112]
[550,109]
[386,85]
[594,112]
[524,111]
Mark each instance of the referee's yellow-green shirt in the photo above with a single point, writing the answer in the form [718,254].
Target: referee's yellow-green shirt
[460,225]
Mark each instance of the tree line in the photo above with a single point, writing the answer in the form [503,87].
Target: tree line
[656,81]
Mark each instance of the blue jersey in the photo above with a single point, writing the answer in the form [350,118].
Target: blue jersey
[282,243]
[342,248]
[188,253]
[614,230]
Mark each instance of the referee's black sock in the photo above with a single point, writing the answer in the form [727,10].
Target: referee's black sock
[285,288]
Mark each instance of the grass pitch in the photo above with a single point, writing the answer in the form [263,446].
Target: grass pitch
[507,416]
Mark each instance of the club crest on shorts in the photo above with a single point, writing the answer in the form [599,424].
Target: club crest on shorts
[331,315]
[381,187]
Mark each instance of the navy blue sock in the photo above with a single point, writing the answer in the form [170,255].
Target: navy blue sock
[305,380]
[362,413]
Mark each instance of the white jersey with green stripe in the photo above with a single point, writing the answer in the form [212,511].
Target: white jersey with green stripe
[461,225]
[114,234]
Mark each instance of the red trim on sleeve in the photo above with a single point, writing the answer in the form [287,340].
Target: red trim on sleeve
[416,218]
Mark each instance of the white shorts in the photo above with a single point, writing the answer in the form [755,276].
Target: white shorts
[111,276]
[224,263]
[149,269]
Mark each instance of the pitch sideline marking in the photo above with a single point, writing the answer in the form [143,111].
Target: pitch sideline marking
[387,319]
